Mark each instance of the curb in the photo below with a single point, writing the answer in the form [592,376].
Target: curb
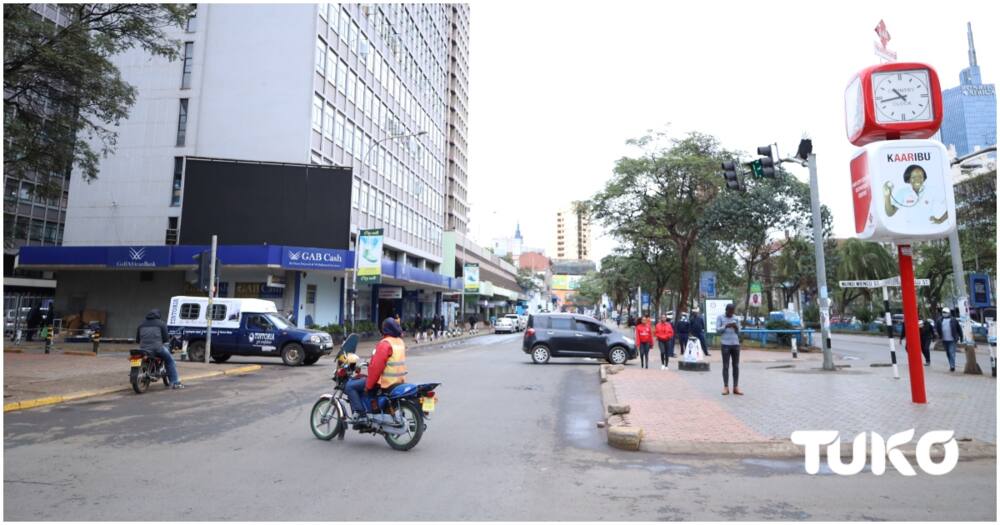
[54,400]
[13,351]
[620,433]
[79,352]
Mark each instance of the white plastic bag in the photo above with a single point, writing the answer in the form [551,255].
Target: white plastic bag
[692,352]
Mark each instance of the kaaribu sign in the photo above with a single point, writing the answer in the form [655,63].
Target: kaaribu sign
[566,282]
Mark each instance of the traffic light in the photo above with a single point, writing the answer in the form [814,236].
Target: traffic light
[765,164]
[204,262]
[732,176]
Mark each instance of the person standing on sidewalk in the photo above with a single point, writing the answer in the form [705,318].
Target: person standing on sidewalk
[683,330]
[950,332]
[643,340]
[697,324]
[664,334]
[926,339]
[729,327]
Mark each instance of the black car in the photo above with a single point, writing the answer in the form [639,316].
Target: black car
[568,335]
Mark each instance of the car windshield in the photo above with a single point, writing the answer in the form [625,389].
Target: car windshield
[280,321]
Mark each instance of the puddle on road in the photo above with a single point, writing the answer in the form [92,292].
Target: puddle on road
[580,410]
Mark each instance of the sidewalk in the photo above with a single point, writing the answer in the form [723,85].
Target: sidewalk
[684,412]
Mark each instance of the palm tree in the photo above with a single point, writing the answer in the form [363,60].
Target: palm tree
[862,260]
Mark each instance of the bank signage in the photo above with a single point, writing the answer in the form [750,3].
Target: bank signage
[313,258]
[138,257]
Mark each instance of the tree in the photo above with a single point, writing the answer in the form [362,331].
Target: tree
[748,222]
[657,263]
[795,267]
[933,262]
[527,281]
[62,95]
[661,196]
[616,276]
[862,260]
[588,292]
[976,200]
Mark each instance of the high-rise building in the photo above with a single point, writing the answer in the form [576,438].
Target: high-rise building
[970,109]
[378,88]
[572,234]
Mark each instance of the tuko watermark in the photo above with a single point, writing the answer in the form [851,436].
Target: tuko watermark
[881,449]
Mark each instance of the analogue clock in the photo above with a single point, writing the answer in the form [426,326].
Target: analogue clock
[902,96]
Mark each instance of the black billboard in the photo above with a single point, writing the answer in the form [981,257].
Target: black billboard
[246,202]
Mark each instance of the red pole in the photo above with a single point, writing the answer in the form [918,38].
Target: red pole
[912,320]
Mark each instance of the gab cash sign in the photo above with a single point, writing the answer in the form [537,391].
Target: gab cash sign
[370,256]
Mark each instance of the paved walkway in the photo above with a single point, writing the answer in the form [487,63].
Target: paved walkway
[784,394]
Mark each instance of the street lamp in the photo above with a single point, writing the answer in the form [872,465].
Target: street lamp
[364,162]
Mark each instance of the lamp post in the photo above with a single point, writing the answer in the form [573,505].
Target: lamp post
[364,162]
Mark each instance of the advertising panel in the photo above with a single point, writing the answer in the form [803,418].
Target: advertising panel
[566,282]
[370,256]
[713,309]
[471,273]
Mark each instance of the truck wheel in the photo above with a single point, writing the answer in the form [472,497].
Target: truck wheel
[310,360]
[293,354]
[196,352]
[221,358]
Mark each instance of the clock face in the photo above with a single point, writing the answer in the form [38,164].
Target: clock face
[902,96]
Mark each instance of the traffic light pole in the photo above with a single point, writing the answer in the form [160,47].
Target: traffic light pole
[211,298]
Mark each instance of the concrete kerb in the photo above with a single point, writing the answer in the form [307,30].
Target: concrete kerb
[621,434]
[54,400]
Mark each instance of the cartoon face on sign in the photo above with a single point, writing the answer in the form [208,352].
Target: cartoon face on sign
[902,191]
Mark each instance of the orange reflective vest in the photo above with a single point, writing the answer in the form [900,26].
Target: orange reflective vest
[395,368]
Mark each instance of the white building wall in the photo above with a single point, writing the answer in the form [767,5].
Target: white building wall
[328,296]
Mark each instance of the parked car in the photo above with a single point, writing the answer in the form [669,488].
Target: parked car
[568,335]
[516,320]
[505,325]
[522,321]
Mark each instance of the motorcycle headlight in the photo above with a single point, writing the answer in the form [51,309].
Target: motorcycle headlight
[315,339]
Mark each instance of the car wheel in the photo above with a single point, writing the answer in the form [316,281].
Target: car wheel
[220,358]
[293,354]
[617,355]
[540,355]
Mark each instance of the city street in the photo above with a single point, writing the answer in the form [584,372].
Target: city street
[509,441]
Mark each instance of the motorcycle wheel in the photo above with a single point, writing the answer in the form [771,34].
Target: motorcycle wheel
[139,379]
[164,376]
[415,424]
[325,409]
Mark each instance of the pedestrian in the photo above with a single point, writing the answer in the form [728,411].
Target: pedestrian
[729,328]
[644,339]
[926,339]
[664,335]
[673,338]
[34,321]
[949,330]
[697,324]
[683,330]
[418,327]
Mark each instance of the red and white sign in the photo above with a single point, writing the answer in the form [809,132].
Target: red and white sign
[880,46]
[902,191]
[901,100]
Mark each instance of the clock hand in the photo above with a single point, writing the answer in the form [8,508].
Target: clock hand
[900,95]
[894,98]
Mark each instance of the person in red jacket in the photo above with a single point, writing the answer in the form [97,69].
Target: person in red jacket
[643,340]
[386,369]
[664,333]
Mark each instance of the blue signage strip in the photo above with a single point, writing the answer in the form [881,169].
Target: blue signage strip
[300,258]
[138,257]
[707,284]
[980,291]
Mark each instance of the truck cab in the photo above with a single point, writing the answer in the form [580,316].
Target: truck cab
[249,327]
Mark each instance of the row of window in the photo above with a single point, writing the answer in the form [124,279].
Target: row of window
[32,230]
[369,199]
[26,192]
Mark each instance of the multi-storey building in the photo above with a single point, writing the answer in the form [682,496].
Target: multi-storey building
[970,109]
[572,234]
[379,88]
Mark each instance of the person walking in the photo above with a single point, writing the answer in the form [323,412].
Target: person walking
[664,334]
[729,327]
[697,324]
[683,330]
[926,339]
[34,321]
[644,339]
[949,330]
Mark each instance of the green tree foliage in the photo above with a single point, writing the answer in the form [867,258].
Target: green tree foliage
[527,281]
[616,278]
[62,95]
[976,201]
[589,292]
[932,260]
[861,260]
[660,197]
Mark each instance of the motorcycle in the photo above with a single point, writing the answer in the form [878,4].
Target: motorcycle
[147,368]
[401,417]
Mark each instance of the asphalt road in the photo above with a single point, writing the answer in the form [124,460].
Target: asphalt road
[510,441]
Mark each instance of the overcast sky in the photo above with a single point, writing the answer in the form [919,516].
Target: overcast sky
[557,88]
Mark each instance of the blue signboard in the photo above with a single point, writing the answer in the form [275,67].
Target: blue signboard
[645,299]
[980,291]
[313,258]
[707,284]
[138,257]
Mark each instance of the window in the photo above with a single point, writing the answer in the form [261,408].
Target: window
[190,311]
[357,142]
[328,117]
[331,67]
[379,200]
[352,37]
[182,122]
[342,77]
[355,190]
[218,312]
[310,294]
[171,237]
[175,197]
[332,10]
[321,56]
[352,80]
[186,70]
[192,21]
[372,203]
[349,138]
[317,114]
[345,22]
[258,322]
[364,197]
[584,326]
[338,131]
[561,323]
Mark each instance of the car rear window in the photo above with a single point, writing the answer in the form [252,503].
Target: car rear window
[562,323]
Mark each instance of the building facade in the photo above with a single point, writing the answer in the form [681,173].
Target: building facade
[381,89]
[970,109]
[572,234]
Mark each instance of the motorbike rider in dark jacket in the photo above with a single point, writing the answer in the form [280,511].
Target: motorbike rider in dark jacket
[152,337]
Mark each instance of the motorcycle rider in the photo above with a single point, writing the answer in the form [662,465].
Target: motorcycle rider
[152,337]
[386,369]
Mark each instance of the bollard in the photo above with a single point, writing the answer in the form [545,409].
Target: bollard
[795,347]
[48,339]
[96,339]
[184,351]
